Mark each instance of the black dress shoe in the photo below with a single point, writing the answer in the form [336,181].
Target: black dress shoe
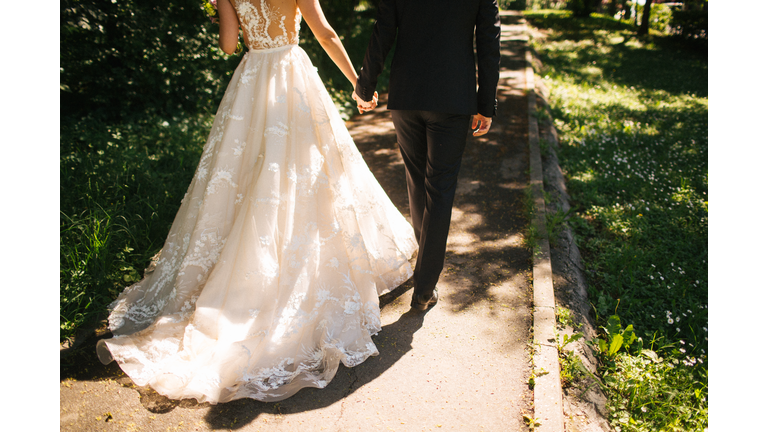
[423,303]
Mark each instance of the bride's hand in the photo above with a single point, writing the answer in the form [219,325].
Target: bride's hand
[363,106]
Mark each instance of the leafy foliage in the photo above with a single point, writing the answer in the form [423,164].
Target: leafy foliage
[661,18]
[616,337]
[691,26]
[651,394]
[582,8]
[512,4]
[132,58]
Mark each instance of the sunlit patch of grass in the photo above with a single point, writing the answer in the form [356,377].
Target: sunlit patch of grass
[634,147]
[121,186]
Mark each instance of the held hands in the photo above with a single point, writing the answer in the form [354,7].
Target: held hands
[480,124]
[363,106]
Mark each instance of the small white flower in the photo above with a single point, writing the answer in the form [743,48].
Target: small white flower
[682,350]
[677,319]
[678,329]
[682,342]
[670,321]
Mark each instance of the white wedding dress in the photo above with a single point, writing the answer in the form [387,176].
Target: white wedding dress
[271,272]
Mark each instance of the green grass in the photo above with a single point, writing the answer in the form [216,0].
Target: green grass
[120,188]
[632,118]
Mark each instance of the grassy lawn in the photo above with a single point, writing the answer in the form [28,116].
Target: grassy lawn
[632,119]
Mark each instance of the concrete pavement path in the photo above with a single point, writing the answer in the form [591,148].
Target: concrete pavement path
[462,366]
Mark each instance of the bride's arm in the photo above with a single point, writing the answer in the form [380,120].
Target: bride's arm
[329,40]
[229,26]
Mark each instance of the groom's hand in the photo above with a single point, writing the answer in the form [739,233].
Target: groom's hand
[363,106]
[480,124]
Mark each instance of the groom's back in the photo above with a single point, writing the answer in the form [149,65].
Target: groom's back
[434,68]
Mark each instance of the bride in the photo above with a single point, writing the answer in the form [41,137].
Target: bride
[271,272]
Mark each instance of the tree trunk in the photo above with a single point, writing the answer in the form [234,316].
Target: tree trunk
[646,19]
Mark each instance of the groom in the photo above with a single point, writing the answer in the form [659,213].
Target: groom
[434,93]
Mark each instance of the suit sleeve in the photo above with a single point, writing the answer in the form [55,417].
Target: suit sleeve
[488,39]
[382,39]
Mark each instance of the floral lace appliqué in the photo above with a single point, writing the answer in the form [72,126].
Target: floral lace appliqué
[258,17]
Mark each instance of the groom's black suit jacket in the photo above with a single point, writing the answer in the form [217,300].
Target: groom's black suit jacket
[434,66]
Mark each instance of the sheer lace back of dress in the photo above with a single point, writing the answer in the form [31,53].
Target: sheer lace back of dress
[269,23]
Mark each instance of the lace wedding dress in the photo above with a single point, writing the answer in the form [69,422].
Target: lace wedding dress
[272,269]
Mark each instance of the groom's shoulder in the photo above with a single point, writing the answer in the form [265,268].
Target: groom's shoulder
[444,11]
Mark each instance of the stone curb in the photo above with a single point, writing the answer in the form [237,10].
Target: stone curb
[547,392]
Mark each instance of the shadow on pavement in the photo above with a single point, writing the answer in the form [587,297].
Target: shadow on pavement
[83,365]
[346,381]
[490,219]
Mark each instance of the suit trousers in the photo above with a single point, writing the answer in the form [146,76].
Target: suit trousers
[432,144]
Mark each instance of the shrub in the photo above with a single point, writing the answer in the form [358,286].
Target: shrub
[661,17]
[580,8]
[512,4]
[691,26]
[135,58]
